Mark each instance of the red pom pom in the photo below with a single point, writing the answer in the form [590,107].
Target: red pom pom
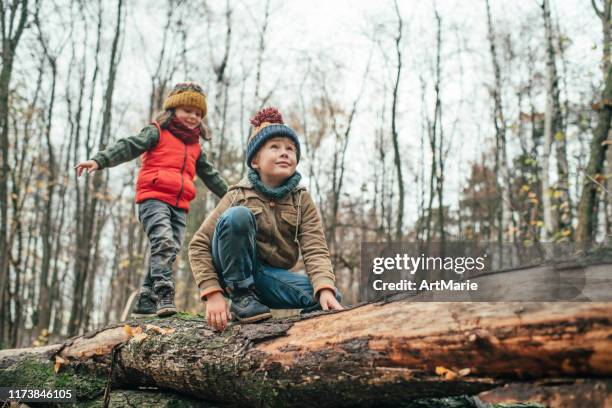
[270,115]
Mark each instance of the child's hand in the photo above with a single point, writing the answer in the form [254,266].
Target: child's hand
[217,311]
[328,301]
[90,165]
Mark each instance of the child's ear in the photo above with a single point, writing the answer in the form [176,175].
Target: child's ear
[255,161]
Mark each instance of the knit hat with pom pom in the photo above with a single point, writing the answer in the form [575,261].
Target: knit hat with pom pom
[268,123]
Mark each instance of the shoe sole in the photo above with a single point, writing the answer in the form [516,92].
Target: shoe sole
[253,319]
[169,311]
[137,315]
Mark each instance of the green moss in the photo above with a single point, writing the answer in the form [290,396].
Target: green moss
[32,372]
[189,316]
[138,398]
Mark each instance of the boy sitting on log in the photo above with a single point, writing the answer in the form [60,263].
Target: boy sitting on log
[245,247]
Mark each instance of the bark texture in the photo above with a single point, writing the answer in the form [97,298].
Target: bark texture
[395,352]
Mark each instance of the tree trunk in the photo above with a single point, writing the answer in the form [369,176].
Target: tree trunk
[557,223]
[394,133]
[12,29]
[587,209]
[43,311]
[83,266]
[502,171]
[396,350]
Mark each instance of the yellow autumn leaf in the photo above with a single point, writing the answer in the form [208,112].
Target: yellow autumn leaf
[131,331]
[441,370]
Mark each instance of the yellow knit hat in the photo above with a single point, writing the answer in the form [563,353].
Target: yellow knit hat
[186,94]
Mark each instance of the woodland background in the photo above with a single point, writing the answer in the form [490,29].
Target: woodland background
[421,121]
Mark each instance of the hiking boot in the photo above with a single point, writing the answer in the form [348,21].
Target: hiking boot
[144,305]
[165,298]
[247,308]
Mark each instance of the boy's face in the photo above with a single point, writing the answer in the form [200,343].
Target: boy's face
[189,115]
[275,161]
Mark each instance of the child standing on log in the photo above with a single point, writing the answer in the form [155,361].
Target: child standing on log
[171,157]
[245,247]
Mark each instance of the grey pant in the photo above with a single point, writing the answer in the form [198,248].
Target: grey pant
[165,227]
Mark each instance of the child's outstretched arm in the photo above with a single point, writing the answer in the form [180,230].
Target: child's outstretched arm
[122,150]
[316,254]
[210,176]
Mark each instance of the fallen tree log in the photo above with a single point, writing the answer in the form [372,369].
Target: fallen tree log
[581,393]
[393,351]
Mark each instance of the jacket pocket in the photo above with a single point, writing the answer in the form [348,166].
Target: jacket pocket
[167,181]
[189,190]
[289,221]
[154,177]
[290,217]
[146,179]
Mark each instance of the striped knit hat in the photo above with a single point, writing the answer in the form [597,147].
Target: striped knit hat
[267,124]
[186,94]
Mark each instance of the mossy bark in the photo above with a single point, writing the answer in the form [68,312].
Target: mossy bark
[394,353]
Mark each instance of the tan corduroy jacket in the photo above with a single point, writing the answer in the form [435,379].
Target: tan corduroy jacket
[284,228]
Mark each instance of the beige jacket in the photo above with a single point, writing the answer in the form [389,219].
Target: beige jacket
[283,229]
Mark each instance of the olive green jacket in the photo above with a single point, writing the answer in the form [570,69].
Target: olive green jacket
[284,229]
[129,148]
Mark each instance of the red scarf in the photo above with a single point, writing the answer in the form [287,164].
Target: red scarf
[181,131]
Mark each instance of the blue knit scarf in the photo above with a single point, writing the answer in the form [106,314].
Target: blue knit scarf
[274,193]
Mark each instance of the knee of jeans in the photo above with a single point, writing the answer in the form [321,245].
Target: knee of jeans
[338,296]
[307,301]
[163,244]
[239,218]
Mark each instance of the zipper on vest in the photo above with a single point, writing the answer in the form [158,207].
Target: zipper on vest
[182,177]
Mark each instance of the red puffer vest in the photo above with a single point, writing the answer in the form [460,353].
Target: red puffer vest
[168,171]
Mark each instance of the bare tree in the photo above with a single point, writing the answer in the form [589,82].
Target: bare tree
[593,179]
[90,216]
[557,223]
[587,208]
[13,20]
[604,12]
[502,172]
[394,132]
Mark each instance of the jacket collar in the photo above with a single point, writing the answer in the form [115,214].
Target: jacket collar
[246,184]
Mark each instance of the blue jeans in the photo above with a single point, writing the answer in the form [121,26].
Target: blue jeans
[165,227]
[234,251]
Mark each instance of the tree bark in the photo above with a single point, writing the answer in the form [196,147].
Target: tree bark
[83,266]
[44,311]
[553,394]
[394,133]
[12,29]
[396,350]
[502,171]
[587,209]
